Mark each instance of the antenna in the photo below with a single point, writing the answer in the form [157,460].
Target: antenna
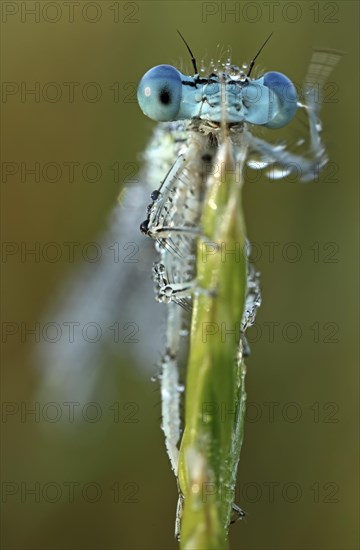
[193,61]
[252,63]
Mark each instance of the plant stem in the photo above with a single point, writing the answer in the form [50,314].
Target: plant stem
[215,391]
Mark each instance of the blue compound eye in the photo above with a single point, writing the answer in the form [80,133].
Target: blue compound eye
[286,96]
[159,93]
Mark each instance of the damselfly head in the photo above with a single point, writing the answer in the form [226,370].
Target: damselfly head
[230,96]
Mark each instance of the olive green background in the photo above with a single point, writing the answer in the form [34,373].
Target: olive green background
[318,451]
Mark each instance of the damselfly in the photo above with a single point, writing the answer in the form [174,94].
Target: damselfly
[203,119]
[207,118]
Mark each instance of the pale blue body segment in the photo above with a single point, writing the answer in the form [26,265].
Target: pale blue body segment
[165,94]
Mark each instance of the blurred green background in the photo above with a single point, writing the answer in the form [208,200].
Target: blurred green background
[107,484]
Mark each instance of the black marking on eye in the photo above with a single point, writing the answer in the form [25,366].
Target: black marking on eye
[165,97]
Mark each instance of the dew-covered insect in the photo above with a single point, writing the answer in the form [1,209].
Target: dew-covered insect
[198,116]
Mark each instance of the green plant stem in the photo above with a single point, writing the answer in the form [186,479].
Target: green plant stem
[215,392]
